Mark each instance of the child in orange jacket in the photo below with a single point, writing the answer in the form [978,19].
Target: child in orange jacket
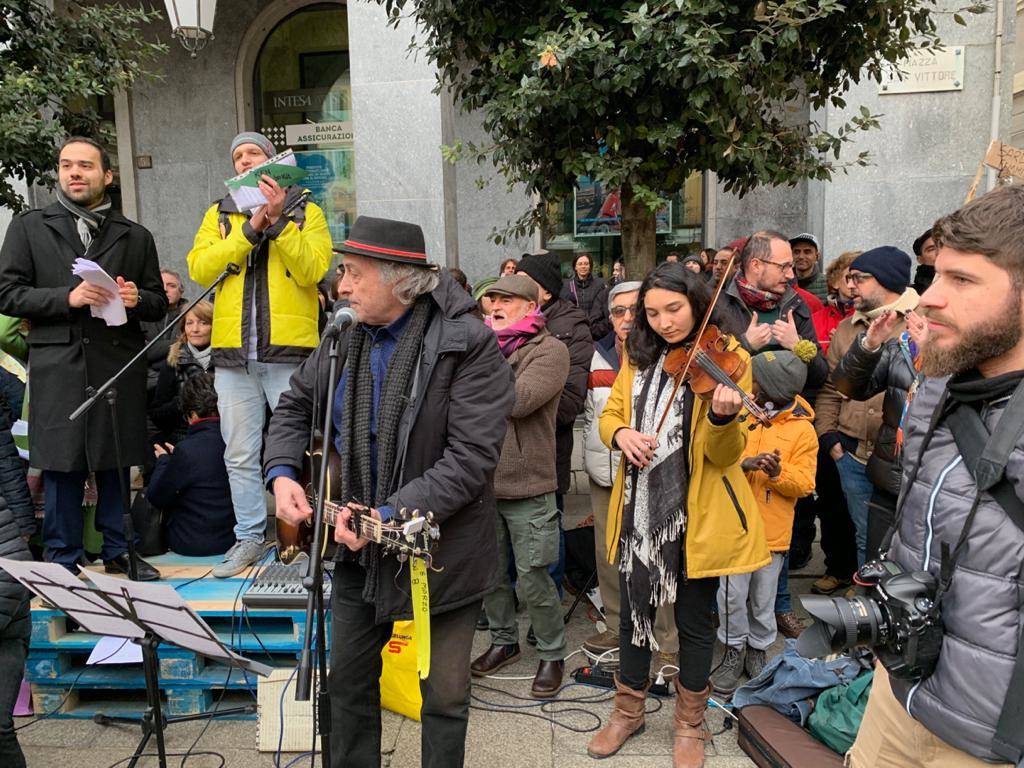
[780,463]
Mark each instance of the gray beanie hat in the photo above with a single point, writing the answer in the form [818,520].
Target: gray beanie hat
[780,374]
[251,137]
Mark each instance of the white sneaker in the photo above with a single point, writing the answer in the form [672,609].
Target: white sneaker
[241,556]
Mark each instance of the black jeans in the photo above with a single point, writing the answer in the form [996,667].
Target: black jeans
[838,536]
[881,516]
[693,609]
[13,650]
[354,681]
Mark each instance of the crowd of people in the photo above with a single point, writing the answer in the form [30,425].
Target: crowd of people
[707,489]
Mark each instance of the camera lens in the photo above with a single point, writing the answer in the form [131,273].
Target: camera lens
[840,623]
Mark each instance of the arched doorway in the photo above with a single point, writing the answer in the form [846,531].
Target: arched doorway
[301,99]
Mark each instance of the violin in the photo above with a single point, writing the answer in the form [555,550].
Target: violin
[706,363]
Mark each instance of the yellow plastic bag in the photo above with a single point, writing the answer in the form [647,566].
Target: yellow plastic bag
[399,681]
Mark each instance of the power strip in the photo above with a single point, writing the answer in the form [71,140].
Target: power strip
[601,678]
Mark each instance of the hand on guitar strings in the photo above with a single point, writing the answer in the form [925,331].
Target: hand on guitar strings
[290,501]
[343,533]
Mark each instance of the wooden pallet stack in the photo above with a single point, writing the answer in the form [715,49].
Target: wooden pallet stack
[62,684]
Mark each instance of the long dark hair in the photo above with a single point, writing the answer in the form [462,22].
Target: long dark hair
[644,345]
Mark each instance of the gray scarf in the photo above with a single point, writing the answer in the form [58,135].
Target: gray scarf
[87,220]
[356,476]
[201,356]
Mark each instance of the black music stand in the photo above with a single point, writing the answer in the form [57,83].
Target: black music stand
[147,614]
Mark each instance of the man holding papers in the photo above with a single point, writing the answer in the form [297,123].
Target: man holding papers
[265,317]
[85,325]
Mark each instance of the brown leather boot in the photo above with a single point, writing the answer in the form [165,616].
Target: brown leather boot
[691,731]
[627,719]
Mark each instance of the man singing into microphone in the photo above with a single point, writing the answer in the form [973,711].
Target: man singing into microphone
[264,323]
[419,417]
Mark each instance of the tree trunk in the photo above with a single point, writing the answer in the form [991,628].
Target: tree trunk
[638,238]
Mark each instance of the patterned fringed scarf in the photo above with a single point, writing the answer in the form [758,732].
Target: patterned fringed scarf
[654,518]
[356,477]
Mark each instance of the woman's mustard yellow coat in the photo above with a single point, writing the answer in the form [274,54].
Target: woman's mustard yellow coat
[724,532]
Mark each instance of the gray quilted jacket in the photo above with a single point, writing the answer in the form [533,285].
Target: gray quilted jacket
[961,701]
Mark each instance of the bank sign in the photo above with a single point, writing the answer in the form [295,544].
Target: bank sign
[924,72]
[319,133]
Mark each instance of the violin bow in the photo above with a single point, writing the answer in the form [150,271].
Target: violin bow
[703,327]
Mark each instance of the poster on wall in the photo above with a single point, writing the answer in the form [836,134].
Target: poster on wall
[598,211]
[331,180]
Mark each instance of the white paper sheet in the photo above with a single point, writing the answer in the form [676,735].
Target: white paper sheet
[115,650]
[250,198]
[113,312]
[57,586]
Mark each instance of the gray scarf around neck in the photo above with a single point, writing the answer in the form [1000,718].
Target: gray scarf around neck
[201,356]
[87,220]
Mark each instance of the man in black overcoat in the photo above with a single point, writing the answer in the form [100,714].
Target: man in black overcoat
[70,350]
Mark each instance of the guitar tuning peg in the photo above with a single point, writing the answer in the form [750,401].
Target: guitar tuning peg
[430,517]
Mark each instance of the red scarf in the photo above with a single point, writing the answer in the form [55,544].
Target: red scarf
[755,298]
[512,337]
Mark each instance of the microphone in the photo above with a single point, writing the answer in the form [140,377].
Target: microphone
[343,319]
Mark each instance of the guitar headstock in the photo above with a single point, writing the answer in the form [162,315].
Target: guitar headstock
[411,533]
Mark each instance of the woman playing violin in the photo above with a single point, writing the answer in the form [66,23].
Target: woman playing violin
[681,513]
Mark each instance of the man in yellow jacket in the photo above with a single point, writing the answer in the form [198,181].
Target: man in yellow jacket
[264,323]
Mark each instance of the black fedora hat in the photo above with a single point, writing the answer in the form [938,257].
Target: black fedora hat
[387,239]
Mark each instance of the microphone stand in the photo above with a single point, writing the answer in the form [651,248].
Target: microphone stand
[314,579]
[153,721]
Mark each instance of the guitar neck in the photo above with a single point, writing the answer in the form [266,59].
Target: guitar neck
[369,526]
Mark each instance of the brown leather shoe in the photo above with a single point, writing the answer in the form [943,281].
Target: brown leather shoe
[789,625]
[548,680]
[627,719]
[493,659]
[691,730]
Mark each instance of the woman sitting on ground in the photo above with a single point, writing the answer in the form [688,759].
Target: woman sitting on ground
[681,509]
[190,483]
[190,355]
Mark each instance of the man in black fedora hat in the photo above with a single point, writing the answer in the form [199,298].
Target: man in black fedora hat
[423,399]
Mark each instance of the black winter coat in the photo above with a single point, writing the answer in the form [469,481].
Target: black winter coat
[591,298]
[16,517]
[567,324]
[156,357]
[69,350]
[731,305]
[450,434]
[861,375]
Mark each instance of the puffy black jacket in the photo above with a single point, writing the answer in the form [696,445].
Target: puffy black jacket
[567,324]
[861,375]
[16,518]
[591,298]
[165,410]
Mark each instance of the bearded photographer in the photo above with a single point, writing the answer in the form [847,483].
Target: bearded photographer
[967,711]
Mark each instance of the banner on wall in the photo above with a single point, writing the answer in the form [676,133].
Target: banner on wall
[331,180]
[598,211]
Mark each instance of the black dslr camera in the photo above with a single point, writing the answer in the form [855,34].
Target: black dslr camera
[897,618]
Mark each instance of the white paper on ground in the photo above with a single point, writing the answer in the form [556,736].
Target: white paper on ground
[115,650]
[113,312]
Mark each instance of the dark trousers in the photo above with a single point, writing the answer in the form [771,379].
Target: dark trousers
[63,521]
[693,610]
[13,650]
[354,681]
[828,504]
[881,515]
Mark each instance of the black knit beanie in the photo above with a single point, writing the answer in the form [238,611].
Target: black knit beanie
[545,270]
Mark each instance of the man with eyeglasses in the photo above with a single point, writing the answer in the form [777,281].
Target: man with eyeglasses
[762,299]
[601,465]
[859,409]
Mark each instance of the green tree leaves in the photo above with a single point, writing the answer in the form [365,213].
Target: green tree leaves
[50,67]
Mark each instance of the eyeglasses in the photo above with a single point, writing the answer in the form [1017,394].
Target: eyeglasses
[858,277]
[787,267]
[621,311]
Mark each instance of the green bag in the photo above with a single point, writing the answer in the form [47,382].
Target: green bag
[837,715]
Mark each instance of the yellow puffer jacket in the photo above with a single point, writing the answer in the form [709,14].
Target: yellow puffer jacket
[792,432]
[724,532]
[292,257]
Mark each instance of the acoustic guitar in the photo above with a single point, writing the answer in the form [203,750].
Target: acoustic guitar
[410,533]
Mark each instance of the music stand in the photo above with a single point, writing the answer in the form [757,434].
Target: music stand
[145,613]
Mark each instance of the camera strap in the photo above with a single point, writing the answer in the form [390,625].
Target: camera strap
[985,456]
